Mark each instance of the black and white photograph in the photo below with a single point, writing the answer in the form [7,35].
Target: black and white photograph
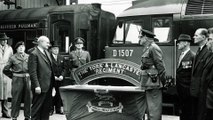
[106,59]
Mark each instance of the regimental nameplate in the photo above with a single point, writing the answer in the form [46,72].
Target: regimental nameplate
[108,68]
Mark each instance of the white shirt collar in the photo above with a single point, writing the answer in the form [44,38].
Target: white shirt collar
[41,49]
[184,52]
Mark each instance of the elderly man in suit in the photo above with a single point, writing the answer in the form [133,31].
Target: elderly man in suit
[42,79]
[59,71]
[183,76]
[198,106]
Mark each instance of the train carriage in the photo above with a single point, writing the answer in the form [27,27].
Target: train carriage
[167,19]
[61,24]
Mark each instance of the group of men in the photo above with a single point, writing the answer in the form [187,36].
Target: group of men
[36,76]
[194,76]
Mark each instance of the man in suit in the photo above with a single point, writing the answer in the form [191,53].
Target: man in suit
[42,79]
[58,65]
[208,77]
[184,69]
[198,105]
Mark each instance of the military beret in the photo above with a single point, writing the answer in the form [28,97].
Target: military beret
[184,37]
[147,33]
[3,36]
[79,40]
[19,44]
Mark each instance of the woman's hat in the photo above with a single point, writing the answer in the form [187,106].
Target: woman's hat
[19,44]
[184,37]
[79,40]
[3,36]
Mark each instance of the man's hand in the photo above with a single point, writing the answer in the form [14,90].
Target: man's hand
[38,90]
[61,78]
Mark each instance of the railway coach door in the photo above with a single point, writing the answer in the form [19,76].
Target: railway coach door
[61,28]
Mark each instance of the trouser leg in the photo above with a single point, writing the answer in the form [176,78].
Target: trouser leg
[17,89]
[57,99]
[46,107]
[154,104]
[4,107]
[37,103]
[27,98]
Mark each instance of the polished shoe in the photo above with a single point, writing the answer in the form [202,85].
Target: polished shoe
[59,112]
[6,116]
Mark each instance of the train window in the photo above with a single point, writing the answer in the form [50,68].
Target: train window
[118,38]
[127,33]
[162,28]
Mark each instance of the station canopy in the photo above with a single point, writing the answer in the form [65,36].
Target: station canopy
[152,7]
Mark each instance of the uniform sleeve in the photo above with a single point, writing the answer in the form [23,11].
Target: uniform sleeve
[32,67]
[8,68]
[158,61]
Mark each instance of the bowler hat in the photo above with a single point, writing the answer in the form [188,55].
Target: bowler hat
[184,37]
[55,44]
[79,40]
[147,33]
[3,36]
[18,44]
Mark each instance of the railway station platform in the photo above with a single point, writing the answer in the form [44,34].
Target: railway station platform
[62,117]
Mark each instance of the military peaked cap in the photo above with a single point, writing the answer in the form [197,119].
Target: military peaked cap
[147,33]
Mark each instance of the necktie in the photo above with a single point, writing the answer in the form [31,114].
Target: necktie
[180,58]
[198,51]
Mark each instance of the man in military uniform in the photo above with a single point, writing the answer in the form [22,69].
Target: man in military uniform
[17,69]
[184,69]
[153,74]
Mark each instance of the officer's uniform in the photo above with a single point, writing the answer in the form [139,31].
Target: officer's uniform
[153,74]
[78,58]
[17,69]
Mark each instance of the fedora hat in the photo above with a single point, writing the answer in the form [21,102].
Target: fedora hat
[3,36]
[184,37]
[35,41]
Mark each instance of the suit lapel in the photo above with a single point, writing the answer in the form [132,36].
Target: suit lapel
[43,57]
[199,57]
[184,58]
[208,61]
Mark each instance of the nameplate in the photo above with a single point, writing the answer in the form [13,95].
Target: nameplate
[108,68]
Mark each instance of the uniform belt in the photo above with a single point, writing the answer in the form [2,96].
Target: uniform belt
[21,74]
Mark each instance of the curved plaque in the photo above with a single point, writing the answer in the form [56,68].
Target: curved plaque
[108,68]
